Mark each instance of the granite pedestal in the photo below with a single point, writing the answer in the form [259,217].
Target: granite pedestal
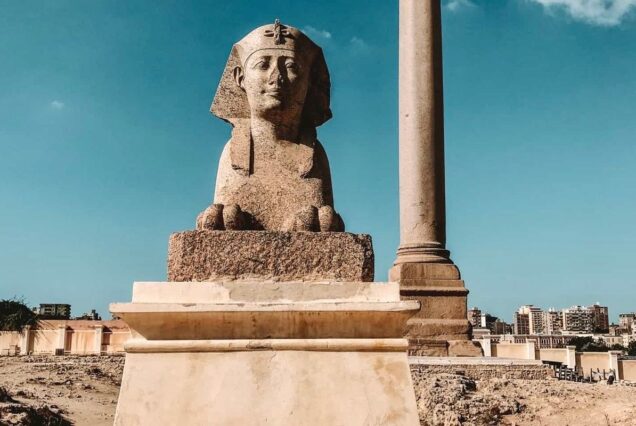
[269,255]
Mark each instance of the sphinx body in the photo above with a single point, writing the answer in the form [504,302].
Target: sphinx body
[273,173]
[276,195]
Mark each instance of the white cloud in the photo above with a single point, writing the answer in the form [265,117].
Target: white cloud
[457,5]
[358,44]
[55,104]
[596,12]
[316,33]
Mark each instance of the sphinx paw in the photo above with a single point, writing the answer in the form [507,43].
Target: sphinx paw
[219,217]
[330,221]
[234,218]
[211,219]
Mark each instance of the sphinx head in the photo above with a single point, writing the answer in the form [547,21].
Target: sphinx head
[277,73]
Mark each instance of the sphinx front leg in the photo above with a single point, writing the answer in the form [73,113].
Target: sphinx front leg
[310,218]
[219,217]
[330,221]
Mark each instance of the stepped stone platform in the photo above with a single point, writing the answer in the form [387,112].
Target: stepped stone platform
[294,353]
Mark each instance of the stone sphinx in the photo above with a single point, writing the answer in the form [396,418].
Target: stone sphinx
[273,183]
[273,173]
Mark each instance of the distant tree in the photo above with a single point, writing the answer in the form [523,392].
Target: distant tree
[15,315]
[631,348]
[618,347]
[588,344]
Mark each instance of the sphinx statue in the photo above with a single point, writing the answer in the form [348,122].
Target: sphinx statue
[273,173]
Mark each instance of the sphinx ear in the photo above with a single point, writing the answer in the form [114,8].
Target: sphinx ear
[238,76]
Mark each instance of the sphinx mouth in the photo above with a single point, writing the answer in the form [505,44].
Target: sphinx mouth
[276,93]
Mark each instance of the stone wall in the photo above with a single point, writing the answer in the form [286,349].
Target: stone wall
[513,350]
[627,369]
[8,339]
[556,355]
[42,341]
[70,336]
[586,361]
[482,372]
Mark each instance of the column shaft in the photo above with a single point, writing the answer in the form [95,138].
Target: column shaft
[422,191]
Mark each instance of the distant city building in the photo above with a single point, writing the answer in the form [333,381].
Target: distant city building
[484,322]
[53,311]
[92,315]
[612,340]
[529,320]
[474,317]
[616,330]
[552,321]
[500,327]
[578,319]
[521,323]
[488,320]
[533,320]
[626,321]
[600,315]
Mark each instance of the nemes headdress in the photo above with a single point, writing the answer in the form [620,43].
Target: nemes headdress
[230,102]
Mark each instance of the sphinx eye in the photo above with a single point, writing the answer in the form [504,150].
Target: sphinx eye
[262,64]
[291,66]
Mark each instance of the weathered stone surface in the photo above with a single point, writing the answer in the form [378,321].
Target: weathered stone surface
[273,173]
[441,325]
[301,371]
[258,387]
[487,370]
[268,255]
[468,348]
[423,266]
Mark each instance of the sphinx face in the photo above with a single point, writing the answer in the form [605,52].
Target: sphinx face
[275,82]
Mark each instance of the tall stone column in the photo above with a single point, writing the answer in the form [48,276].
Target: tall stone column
[423,266]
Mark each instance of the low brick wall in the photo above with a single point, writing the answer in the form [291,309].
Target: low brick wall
[483,372]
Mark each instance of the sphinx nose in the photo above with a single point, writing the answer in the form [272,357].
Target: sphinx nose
[276,77]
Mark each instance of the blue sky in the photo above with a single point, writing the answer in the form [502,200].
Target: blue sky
[107,145]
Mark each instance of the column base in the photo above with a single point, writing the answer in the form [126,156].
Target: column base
[441,326]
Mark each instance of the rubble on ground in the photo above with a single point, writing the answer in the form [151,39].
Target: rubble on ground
[82,390]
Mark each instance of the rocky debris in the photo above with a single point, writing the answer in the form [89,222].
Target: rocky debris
[48,390]
[454,399]
[5,396]
[25,415]
[59,390]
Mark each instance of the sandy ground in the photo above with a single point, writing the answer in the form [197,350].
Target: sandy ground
[47,390]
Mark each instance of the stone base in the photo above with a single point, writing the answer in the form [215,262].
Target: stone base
[441,327]
[266,353]
[482,368]
[270,255]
